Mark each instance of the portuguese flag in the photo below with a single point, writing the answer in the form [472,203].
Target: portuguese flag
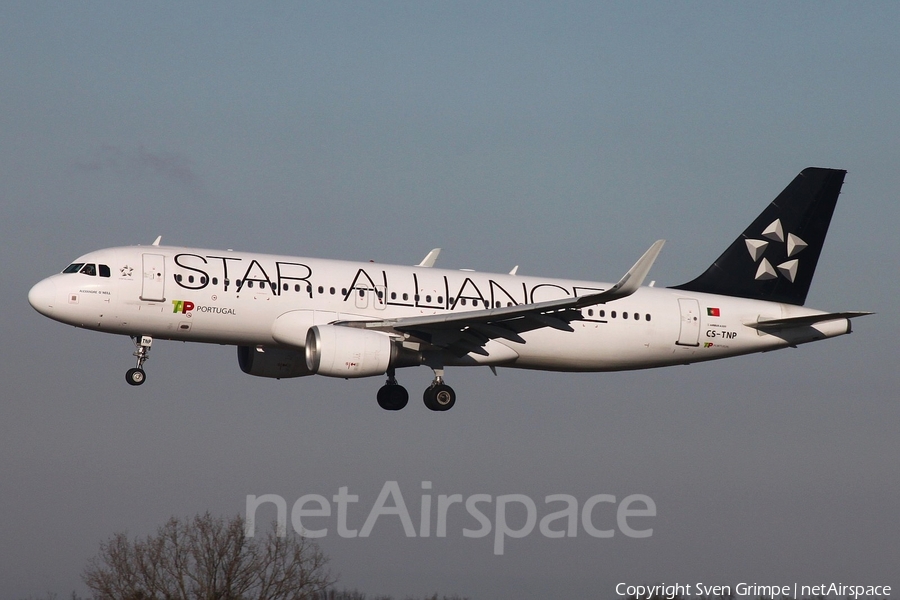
[713,312]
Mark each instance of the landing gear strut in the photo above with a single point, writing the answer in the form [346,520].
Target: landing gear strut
[439,396]
[392,395]
[136,376]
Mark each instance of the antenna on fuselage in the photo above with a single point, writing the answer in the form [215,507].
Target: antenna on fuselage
[157,241]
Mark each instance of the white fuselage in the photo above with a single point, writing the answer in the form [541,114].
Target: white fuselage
[227,297]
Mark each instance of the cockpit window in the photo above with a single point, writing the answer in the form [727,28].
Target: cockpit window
[73,268]
[89,269]
[104,270]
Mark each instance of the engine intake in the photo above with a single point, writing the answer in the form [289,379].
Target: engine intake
[337,351]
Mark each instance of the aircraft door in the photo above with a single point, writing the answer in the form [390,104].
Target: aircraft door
[689,333]
[154,279]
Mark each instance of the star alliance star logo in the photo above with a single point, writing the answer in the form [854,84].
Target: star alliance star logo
[126,271]
[775,233]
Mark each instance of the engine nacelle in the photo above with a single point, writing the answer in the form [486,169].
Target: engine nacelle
[272,362]
[336,351]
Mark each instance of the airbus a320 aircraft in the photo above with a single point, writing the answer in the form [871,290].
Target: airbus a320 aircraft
[292,317]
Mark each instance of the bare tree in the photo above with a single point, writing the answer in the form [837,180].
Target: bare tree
[207,558]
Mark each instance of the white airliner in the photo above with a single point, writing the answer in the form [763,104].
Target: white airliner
[292,317]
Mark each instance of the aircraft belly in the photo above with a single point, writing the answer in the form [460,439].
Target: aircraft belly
[591,347]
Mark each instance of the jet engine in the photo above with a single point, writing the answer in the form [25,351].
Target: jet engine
[338,351]
[267,361]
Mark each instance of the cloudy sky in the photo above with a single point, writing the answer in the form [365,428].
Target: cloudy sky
[562,137]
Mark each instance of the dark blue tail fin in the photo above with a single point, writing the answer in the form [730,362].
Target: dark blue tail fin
[775,258]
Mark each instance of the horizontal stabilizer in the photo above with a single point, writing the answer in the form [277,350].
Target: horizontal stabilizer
[806,320]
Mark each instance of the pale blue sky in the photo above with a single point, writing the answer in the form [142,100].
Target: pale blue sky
[563,137]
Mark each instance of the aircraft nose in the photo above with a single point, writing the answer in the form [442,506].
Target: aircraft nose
[42,296]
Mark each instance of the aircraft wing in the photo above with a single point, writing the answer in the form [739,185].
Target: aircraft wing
[468,331]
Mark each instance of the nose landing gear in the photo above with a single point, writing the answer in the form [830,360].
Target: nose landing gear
[136,376]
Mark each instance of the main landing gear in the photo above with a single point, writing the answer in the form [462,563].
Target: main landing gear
[392,395]
[136,376]
[438,396]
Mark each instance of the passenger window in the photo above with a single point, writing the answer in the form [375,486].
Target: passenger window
[393,295]
[331,291]
[104,270]
[612,314]
[321,290]
[89,269]
[647,316]
[405,296]
[190,279]
[215,281]
[203,280]
[250,284]
[73,268]
[440,299]
[590,312]
[362,293]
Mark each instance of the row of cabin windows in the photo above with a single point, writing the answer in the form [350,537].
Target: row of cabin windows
[612,314]
[321,289]
[88,269]
[215,281]
[404,296]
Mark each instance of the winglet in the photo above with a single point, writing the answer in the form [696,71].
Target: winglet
[429,259]
[157,241]
[630,282]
